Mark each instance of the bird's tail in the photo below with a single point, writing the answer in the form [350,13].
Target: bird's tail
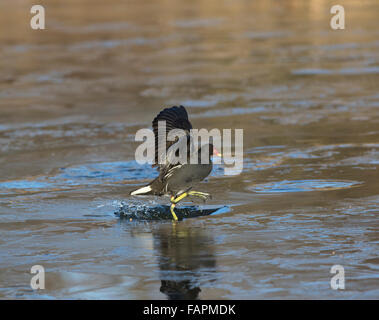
[142,191]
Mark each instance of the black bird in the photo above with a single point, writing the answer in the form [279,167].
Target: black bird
[177,178]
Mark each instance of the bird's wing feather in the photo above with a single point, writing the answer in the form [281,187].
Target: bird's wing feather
[176,118]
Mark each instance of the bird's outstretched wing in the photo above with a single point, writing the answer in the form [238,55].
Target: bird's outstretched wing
[175,118]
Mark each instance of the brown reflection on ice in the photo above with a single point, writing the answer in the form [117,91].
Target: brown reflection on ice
[186,259]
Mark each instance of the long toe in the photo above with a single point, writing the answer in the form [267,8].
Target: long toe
[202,195]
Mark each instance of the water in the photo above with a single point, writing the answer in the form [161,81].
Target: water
[73,96]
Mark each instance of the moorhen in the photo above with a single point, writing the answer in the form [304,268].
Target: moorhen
[177,179]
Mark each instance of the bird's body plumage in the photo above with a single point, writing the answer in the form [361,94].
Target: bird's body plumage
[175,179]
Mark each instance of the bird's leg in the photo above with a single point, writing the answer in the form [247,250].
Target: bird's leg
[173,212]
[199,194]
[174,201]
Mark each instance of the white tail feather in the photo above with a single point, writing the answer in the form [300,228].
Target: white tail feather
[142,190]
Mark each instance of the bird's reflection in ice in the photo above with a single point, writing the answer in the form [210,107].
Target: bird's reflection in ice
[186,259]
